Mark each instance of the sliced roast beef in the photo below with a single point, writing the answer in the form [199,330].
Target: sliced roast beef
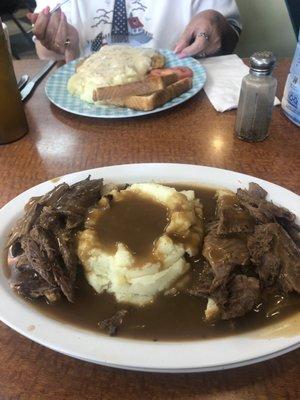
[254,200]
[232,217]
[44,239]
[238,297]
[223,254]
[202,283]
[276,256]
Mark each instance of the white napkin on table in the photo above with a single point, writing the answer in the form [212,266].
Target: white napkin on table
[224,79]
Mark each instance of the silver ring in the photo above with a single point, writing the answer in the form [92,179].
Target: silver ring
[203,34]
[202,55]
[67,42]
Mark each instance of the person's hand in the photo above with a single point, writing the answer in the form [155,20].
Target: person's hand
[205,35]
[55,33]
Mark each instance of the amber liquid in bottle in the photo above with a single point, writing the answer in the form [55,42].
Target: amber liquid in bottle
[13,124]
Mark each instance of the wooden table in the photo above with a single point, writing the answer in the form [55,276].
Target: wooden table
[59,143]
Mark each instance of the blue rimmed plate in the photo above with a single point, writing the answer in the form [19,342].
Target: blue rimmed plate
[56,91]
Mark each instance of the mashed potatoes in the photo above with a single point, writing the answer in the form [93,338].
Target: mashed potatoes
[110,66]
[135,241]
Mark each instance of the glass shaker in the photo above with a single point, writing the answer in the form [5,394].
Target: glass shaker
[13,124]
[257,97]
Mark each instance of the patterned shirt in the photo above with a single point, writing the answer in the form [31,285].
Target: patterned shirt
[150,23]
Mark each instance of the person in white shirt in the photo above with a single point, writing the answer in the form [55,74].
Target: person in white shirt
[189,27]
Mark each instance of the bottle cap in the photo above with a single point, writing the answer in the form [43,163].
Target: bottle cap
[262,62]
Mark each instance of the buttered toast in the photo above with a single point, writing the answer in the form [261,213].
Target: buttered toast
[156,99]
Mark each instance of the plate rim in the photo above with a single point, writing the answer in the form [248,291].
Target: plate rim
[294,343]
[137,113]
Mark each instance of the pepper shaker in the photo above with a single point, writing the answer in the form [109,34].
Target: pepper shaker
[257,97]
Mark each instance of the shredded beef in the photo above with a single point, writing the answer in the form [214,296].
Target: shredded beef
[31,285]
[202,283]
[232,217]
[254,200]
[44,240]
[37,259]
[276,256]
[238,297]
[224,254]
[112,325]
[249,248]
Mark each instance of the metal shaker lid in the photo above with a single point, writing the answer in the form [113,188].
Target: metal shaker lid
[262,62]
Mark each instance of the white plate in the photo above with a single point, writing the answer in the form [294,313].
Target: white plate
[202,355]
[56,90]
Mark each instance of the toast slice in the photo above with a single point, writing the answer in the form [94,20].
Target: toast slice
[156,99]
[146,86]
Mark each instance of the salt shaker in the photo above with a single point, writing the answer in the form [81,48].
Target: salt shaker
[256,98]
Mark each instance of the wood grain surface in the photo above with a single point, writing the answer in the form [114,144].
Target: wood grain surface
[59,143]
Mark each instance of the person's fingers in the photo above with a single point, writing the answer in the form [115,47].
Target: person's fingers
[210,50]
[41,23]
[32,17]
[70,54]
[61,34]
[183,42]
[71,49]
[52,29]
[64,34]
[213,43]
[199,45]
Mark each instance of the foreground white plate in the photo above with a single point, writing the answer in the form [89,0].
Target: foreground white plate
[214,354]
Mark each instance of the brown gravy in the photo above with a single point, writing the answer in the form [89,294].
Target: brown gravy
[135,213]
[179,317]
